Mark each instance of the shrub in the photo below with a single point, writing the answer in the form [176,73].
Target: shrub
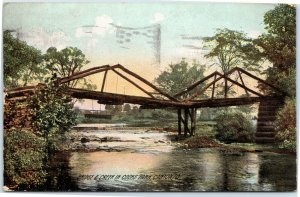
[286,125]
[53,114]
[33,131]
[234,126]
[17,115]
[163,114]
[24,156]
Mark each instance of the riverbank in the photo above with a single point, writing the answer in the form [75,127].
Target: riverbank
[198,142]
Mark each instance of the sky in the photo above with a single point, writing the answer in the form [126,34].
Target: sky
[144,37]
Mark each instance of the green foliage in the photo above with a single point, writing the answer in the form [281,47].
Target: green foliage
[117,109]
[281,20]
[46,115]
[53,113]
[278,46]
[285,81]
[207,114]
[230,48]
[234,126]
[67,62]
[179,76]
[246,109]
[286,125]
[24,156]
[22,63]
[134,110]
[163,114]
[127,107]
[114,109]
[109,107]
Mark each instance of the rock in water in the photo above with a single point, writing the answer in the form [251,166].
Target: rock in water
[84,140]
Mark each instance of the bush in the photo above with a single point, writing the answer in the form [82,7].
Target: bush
[234,126]
[286,125]
[17,115]
[24,156]
[53,114]
[33,131]
[163,114]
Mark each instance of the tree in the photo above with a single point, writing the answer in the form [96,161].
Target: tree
[67,62]
[109,108]
[127,107]
[134,110]
[22,63]
[179,76]
[117,109]
[229,49]
[278,46]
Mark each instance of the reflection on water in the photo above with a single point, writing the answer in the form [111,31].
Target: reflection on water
[111,164]
[197,170]
[184,170]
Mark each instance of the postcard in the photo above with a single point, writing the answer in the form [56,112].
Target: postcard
[149,97]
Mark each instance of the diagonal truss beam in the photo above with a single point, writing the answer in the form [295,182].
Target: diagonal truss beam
[205,88]
[85,73]
[147,82]
[104,80]
[240,76]
[132,82]
[223,76]
[261,80]
[241,85]
[106,68]
[195,85]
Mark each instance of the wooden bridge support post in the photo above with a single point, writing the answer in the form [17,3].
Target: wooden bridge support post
[186,121]
[179,121]
[193,121]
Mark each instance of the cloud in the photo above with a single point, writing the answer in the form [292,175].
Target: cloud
[43,39]
[80,32]
[192,47]
[59,39]
[158,17]
[104,21]
[190,37]
[92,42]
[101,27]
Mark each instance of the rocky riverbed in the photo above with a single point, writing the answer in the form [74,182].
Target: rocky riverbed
[126,138]
[120,140]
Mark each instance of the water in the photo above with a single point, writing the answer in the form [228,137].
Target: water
[148,161]
[101,125]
